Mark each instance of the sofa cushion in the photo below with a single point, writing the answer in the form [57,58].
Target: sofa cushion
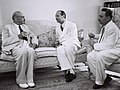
[40,53]
[117,61]
[45,31]
[47,39]
[40,26]
[46,52]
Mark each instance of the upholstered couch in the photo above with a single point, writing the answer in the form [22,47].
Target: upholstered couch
[46,52]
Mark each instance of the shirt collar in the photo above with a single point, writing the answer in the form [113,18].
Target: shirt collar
[16,25]
[63,25]
[108,24]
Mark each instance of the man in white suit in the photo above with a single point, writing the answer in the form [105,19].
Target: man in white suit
[68,44]
[16,41]
[106,51]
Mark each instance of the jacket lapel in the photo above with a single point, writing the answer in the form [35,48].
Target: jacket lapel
[64,30]
[14,29]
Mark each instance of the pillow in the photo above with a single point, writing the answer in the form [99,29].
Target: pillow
[46,52]
[47,39]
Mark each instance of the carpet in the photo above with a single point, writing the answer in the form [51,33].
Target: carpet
[53,79]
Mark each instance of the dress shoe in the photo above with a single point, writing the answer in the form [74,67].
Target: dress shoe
[31,85]
[107,80]
[59,67]
[24,86]
[70,77]
[96,86]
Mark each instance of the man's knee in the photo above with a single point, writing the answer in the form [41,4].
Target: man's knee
[60,49]
[89,56]
[31,50]
[23,52]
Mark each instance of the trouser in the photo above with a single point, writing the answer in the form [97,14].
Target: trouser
[24,57]
[99,60]
[66,56]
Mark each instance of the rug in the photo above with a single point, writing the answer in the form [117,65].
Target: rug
[53,79]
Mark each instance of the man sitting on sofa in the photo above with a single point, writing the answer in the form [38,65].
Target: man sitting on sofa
[68,44]
[15,42]
[106,51]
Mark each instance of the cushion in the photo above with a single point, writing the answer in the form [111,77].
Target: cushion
[46,52]
[47,39]
[117,61]
[40,26]
[45,31]
[80,34]
[40,53]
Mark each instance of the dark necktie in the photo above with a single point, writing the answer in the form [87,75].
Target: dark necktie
[20,29]
[61,27]
[24,38]
[103,29]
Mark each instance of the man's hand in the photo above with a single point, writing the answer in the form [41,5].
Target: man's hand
[33,45]
[23,35]
[20,36]
[57,43]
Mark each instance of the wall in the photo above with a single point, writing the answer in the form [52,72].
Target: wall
[0,14]
[82,12]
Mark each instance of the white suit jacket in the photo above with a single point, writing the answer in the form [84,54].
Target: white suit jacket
[10,36]
[110,38]
[69,35]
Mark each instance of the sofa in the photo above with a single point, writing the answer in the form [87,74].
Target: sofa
[45,52]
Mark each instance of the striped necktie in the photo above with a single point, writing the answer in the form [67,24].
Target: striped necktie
[102,32]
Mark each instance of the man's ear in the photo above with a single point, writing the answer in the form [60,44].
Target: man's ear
[108,18]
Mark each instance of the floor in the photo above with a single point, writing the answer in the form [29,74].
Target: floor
[9,84]
[83,67]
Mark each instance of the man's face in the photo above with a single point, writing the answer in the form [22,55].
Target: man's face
[19,19]
[59,17]
[102,18]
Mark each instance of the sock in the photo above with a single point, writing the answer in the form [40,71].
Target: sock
[72,71]
[67,71]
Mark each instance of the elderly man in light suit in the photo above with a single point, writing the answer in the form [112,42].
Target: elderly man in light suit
[68,44]
[106,51]
[16,41]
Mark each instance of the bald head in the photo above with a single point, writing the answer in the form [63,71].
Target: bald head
[18,18]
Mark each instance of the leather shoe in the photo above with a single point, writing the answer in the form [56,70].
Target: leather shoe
[96,86]
[31,85]
[59,67]
[107,80]
[70,77]
[24,86]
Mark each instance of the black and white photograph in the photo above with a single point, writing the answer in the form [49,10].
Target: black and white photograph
[59,44]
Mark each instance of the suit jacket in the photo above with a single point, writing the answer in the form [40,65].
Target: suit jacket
[110,38]
[10,36]
[69,34]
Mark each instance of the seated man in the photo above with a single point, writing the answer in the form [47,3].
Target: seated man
[68,44]
[106,51]
[15,42]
